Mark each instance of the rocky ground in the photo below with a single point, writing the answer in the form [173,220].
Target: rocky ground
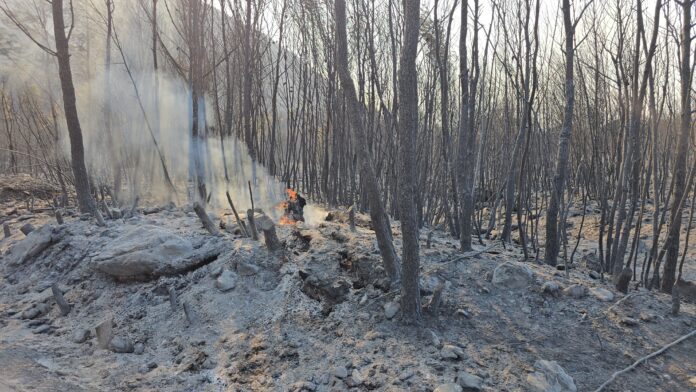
[155,303]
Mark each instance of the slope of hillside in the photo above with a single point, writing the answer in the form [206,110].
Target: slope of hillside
[191,312]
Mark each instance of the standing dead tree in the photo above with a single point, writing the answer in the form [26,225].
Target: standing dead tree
[408,127]
[552,232]
[680,189]
[380,221]
[466,159]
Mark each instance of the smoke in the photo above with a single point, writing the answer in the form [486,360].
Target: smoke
[314,215]
[125,133]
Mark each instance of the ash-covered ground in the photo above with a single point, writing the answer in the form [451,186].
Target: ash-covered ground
[188,311]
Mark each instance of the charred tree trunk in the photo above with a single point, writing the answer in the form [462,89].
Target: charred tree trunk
[408,127]
[77,151]
[552,245]
[672,245]
[380,221]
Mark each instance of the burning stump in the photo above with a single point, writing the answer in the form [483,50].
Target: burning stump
[293,208]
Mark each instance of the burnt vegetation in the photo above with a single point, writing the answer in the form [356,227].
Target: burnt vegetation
[461,179]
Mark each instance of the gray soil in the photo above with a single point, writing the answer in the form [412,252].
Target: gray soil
[312,317]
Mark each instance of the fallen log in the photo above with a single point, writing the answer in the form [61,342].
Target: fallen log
[643,359]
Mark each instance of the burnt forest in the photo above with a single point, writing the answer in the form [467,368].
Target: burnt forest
[361,195]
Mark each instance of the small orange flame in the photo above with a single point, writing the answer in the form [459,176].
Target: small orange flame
[287,218]
[292,195]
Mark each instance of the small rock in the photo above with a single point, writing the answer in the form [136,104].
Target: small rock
[226,281]
[26,228]
[406,374]
[139,348]
[215,271]
[629,321]
[357,377]
[151,210]
[115,213]
[595,275]
[469,382]
[451,387]
[209,363]
[324,379]
[647,317]
[512,276]
[373,335]
[434,339]
[121,345]
[81,335]
[550,377]
[602,294]
[247,269]
[576,291]
[35,311]
[550,287]
[304,386]
[363,299]
[451,352]
[390,309]
[42,329]
[145,368]
[463,313]
[340,372]
[105,332]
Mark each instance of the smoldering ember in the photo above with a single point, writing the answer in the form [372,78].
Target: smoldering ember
[282,195]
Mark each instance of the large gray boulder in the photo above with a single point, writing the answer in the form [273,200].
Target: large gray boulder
[147,252]
[550,377]
[512,276]
[35,242]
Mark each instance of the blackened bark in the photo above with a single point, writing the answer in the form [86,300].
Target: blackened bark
[77,151]
[668,276]
[552,244]
[380,220]
[408,127]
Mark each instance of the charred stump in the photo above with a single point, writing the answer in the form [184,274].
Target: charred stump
[26,229]
[252,225]
[269,232]
[207,223]
[60,300]
[623,279]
